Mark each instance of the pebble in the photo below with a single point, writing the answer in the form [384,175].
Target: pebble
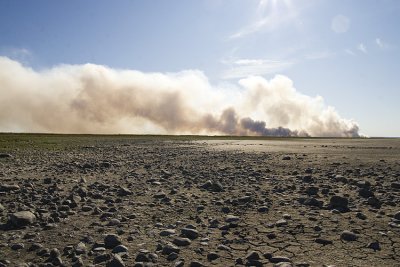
[116,261]
[190,233]
[22,218]
[181,241]
[348,236]
[111,241]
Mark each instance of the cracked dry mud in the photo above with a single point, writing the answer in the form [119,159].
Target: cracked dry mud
[168,201]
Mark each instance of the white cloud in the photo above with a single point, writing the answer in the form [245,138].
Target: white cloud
[250,67]
[340,24]
[362,48]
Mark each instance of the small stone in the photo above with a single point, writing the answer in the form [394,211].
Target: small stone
[5,155]
[361,216]
[323,241]
[281,222]
[395,185]
[54,253]
[348,236]
[101,258]
[339,203]
[263,209]
[116,261]
[277,259]
[80,248]
[173,256]
[167,232]
[190,233]
[231,218]
[397,215]
[374,245]
[120,249]
[22,218]
[111,241]
[253,256]
[17,246]
[212,256]
[286,158]
[182,242]
[196,264]
[169,248]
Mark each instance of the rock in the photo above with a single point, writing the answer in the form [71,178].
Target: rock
[277,259]
[365,192]
[212,256]
[54,253]
[339,203]
[231,218]
[181,241]
[120,249]
[116,261]
[313,202]
[9,187]
[22,218]
[80,248]
[395,185]
[190,233]
[213,186]
[253,256]
[173,256]
[101,258]
[169,248]
[286,158]
[167,232]
[111,241]
[281,222]
[312,190]
[17,246]
[348,236]
[323,241]
[263,209]
[361,216]
[397,215]
[123,191]
[5,155]
[196,264]
[374,245]
[374,202]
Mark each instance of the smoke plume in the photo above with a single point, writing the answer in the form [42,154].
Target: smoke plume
[96,99]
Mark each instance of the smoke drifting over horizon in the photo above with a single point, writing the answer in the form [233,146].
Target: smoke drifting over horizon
[96,99]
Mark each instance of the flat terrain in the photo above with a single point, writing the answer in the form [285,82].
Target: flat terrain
[84,200]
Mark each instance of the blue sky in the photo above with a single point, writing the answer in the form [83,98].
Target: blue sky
[346,51]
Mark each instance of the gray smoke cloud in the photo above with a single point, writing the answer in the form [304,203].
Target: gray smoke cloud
[97,99]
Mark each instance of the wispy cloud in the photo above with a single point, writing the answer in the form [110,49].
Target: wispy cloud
[340,24]
[268,16]
[383,44]
[362,48]
[241,68]
[350,52]
[20,54]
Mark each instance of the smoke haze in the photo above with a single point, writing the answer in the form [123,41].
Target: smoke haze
[96,99]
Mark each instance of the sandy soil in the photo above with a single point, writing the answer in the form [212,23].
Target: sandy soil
[159,201]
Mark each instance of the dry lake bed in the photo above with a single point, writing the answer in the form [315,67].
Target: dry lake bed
[84,200]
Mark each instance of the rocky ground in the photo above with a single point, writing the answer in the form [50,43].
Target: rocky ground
[152,201]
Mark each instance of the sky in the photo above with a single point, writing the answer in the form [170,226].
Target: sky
[348,52]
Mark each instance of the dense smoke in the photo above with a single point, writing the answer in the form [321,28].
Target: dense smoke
[97,99]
